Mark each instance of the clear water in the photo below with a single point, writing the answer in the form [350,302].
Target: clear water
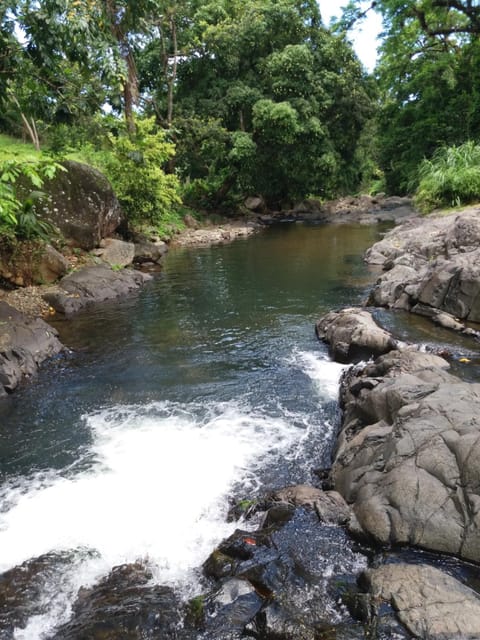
[207,384]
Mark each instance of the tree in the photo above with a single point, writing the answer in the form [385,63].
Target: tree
[429,81]
[296,93]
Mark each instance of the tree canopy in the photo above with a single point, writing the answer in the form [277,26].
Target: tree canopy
[429,81]
[254,97]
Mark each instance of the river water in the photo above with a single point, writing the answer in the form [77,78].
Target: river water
[206,386]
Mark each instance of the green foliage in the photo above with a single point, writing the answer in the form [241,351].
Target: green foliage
[17,216]
[428,79]
[450,178]
[135,167]
[269,71]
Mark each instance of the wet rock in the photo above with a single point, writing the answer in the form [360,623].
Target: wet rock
[220,565]
[329,505]
[24,344]
[274,623]
[125,606]
[22,590]
[278,515]
[94,284]
[408,454]
[352,335]
[231,608]
[148,249]
[242,545]
[429,602]
[291,567]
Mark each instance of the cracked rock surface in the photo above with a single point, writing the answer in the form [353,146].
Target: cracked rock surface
[408,455]
[429,602]
[94,284]
[432,267]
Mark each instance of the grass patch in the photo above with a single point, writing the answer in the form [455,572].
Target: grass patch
[450,179]
[14,148]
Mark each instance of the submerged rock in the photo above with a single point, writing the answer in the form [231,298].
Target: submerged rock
[125,605]
[22,590]
[25,343]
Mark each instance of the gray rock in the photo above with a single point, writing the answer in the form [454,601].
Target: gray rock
[329,505]
[430,603]
[255,203]
[52,266]
[408,455]
[190,222]
[24,344]
[116,253]
[432,262]
[147,250]
[94,284]
[353,335]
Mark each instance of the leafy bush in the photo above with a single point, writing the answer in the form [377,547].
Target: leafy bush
[134,166]
[450,178]
[18,217]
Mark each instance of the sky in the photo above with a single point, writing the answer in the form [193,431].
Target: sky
[364,37]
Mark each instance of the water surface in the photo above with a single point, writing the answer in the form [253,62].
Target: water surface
[208,384]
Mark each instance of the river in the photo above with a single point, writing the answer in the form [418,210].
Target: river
[208,385]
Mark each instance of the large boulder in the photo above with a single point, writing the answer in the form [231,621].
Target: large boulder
[408,455]
[94,284]
[81,203]
[24,344]
[353,335]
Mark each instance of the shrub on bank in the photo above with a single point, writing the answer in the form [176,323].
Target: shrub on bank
[451,178]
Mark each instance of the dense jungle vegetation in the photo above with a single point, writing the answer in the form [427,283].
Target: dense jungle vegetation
[195,103]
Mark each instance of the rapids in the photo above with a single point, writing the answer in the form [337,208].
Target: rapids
[207,386]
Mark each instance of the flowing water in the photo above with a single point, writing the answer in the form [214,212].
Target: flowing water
[208,385]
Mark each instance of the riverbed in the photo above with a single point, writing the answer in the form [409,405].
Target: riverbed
[206,387]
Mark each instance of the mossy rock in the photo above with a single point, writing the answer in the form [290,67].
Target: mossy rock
[81,203]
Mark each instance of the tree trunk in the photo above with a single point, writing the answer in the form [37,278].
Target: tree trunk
[130,89]
[172,77]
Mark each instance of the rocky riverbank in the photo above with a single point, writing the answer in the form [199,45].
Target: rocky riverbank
[431,267]
[406,462]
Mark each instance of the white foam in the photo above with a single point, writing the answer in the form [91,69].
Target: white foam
[322,371]
[156,490]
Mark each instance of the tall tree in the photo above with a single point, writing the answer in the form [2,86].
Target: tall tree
[429,77]
[289,97]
